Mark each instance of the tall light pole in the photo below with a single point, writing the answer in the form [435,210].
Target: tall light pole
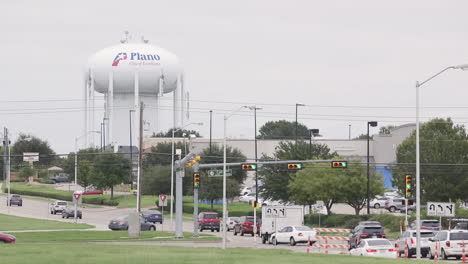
[418,189]
[172,167]
[295,144]
[255,108]
[131,149]
[372,124]
[224,178]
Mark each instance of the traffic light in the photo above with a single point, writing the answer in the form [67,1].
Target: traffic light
[295,166]
[339,164]
[408,186]
[254,204]
[196,180]
[249,166]
[193,161]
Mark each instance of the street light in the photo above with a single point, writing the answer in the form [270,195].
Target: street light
[313,132]
[255,108]
[172,165]
[131,149]
[295,144]
[372,124]
[224,177]
[418,204]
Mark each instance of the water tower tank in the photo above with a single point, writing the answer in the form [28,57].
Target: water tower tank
[127,74]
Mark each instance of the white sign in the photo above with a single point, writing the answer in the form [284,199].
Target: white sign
[440,209]
[279,212]
[77,197]
[30,156]
[162,200]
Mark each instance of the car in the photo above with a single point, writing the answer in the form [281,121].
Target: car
[7,238]
[208,220]
[231,222]
[449,244]
[394,204]
[121,223]
[247,198]
[369,223]
[293,235]
[430,224]
[59,178]
[153,216]
[69,211]
[246,190]
[408,241]
[57,206]
[378,201]
[16,199]
[461,225]
[364,231]
[374,247]
[245,225]
[411,209]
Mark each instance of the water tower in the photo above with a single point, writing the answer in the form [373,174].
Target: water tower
[127,74]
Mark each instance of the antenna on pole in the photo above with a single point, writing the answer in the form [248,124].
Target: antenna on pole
[125,39]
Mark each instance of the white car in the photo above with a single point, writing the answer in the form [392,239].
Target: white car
[57,206]
[375,247]
[449,243]
[247,198]
[408,239]
[231,222]
[246,190]
[378,202]
[293,235]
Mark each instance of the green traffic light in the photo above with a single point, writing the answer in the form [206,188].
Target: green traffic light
[254,167]
[408,186]
[299,166]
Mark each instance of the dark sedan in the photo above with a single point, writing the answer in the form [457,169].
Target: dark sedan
[69,211]
[121,223]
[153,216]
[6,238]
[16,200]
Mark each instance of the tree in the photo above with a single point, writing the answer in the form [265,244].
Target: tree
[362,136]
[85,165]
[211,188]
[178,133]
[110,169]
[443,154]
[157,180]
[28,143]
[276,177]
[283,129]
[161,154]
[386,130]
[26,172]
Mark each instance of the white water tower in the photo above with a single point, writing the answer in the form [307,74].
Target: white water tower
[127,74]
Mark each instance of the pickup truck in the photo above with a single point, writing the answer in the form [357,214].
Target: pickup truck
[57,206]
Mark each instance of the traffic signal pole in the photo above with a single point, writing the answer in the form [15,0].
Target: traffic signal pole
[195,204]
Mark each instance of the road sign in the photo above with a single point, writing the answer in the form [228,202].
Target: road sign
[219,173]
[30,156]
[278,212]
[77,197]
[440,209]
[162,200]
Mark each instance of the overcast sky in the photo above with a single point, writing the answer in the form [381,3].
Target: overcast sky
[349,62]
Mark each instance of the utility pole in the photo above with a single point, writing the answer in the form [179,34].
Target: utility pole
[211,118]
[140,159]
[7,165]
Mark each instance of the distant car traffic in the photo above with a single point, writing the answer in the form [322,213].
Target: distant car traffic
[16,199]
[121,223]
[374,247]
[293,235]
[231,222]
[69,211]
[153,216]
[430,224]
[408,240]
[245,225]
[57,206]
[394,204]
[6,238]
[246,190]
[364,231]
[208,220]
[247,198]
[449,244]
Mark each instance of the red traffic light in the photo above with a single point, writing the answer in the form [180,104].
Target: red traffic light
[339,164]
[295,166]
[249,166]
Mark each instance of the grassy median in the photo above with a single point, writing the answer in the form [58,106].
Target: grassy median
[136,254]
[13,223]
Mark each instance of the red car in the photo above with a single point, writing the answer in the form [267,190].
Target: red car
[6,238]
[245,225]
[208,220]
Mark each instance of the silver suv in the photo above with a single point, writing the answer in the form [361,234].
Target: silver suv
[394,204]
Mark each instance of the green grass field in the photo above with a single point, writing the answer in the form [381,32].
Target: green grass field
[12,223]
[94,236]
[136,254]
